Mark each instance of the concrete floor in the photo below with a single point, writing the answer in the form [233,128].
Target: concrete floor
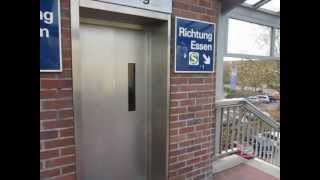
[243,172]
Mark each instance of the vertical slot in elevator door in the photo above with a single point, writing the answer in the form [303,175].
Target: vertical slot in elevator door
[113,103]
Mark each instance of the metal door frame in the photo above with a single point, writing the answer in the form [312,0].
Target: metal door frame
[75,39]
[147,73]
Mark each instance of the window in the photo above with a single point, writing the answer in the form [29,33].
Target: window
[251,2]
[273,5]
[231,59]
[248,38]
[250,41]
[276,46]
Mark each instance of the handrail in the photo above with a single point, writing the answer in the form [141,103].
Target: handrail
[241,125]
[250,107]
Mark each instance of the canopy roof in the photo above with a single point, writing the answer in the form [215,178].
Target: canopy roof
[271,7]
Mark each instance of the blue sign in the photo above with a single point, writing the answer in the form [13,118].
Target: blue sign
[233,80]
[194,46]
[50,36]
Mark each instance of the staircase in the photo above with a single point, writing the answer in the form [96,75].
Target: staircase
[244,134]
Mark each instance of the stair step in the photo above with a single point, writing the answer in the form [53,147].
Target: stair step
[227,163]
[231,161]
[265,167]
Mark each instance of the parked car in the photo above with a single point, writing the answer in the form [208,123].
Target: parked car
[263,98]
[253,99]
[272,99]
[276,95]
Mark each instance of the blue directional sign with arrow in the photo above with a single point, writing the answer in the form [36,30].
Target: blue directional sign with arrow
[50,36]
[194,46]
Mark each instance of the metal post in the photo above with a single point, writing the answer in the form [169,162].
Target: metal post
[219,116]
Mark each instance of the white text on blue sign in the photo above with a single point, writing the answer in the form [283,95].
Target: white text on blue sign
[47,18]
[184,32]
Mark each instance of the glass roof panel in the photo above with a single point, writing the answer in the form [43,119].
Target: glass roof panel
[273,5]
[251,2]
[248,38]
[276,45]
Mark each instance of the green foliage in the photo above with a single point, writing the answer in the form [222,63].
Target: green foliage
[257,73]
[228,92]
[226,73]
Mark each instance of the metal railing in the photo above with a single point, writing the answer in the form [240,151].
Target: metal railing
[241,127]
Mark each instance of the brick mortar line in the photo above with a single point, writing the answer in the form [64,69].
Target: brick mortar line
[55,78]
[56,129]
[50,99]
[57,119]
[58,148]
[44,141]
[188,91]
[189,146]
[186,147]
[60,109]
[57,167]
[58,138]
[60,175]
[182,106]
[56,99]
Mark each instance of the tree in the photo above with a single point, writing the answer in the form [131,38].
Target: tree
[255,74]
[226,72]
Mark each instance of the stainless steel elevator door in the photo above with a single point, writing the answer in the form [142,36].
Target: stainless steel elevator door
[112,138]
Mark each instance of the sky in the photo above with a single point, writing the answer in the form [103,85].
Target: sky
[249,38]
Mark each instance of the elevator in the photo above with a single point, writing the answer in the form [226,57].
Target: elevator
[121,95]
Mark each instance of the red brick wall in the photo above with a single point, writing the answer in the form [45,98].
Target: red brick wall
[191,110]
[192,106]
[57,148]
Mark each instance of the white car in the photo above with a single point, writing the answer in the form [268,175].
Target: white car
[263,98]
[253,99]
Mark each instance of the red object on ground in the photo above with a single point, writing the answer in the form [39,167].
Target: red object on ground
[244,155]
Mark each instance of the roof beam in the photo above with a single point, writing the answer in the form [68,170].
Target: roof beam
[261,3]
[251,15]
[228,5]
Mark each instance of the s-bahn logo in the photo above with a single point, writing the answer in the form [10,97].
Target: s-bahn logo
[146,1]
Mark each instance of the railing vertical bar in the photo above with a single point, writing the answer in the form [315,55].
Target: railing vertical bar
[254,138]
[221,130]
[243,131]
[239,125]
[274,146]
[257,136]
[261,141]
[273,132]
[218,131]
[278,148]
[268,144]
[227,135]
[234,113]
[264,142]
[265,150]
[248,133]
[252,134]
[275,152]
[279,151]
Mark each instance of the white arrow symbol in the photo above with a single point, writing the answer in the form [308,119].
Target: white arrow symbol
[206,59]
[184,55]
